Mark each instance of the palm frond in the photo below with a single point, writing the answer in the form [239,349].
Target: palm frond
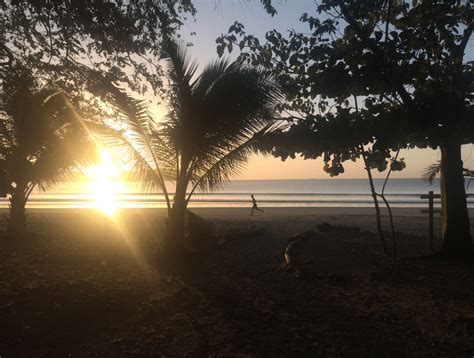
[183,67]
[141,139]
[42,141]
[431,171]
[210,75]
[143,174]
[468,173]
[240,104]
[62,158]
[216,171]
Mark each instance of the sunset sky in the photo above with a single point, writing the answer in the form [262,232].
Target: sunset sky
[214,18]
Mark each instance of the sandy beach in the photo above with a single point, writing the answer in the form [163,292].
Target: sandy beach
[284,220]
[83,284]
[407,220]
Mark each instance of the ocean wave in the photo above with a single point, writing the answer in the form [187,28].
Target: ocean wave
[224,200]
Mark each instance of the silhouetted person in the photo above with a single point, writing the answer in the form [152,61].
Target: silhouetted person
[254,205]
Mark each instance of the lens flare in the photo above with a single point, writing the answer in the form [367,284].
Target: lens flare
[104,181]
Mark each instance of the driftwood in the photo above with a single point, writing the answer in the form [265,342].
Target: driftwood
[200,233]
[223,239]
[196,227]
[295,245]
[325,227]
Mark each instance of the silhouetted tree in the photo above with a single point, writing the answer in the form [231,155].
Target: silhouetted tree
[208,134]
[433,170]
[121,39]
[41,141]
[405,60]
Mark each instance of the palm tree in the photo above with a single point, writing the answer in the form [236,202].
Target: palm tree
[212,127]
[431,172]
[41,142]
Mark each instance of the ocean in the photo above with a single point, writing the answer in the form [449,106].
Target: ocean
[268,193]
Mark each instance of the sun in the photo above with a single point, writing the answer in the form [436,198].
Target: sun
[104,182]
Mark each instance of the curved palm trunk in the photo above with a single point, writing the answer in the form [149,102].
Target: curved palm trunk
[456,232]
[17,220]
[176,219]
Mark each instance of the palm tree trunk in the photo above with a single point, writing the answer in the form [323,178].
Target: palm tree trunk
[176,219]
[17,221]
[456,233]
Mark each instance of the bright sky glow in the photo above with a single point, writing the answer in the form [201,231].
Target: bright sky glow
[104,182]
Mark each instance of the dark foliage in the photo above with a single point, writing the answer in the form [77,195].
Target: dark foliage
[404,60]
[42,140]
[118,38]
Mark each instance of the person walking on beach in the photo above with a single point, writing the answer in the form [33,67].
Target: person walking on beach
[254,205]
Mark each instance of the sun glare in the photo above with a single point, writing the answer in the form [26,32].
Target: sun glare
[105,182]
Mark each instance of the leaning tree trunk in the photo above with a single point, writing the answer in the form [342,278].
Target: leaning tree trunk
[456,232]
[17,220]
[175,230]
[376,205]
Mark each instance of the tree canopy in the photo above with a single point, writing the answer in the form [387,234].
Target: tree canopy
[404,61]
[121,39]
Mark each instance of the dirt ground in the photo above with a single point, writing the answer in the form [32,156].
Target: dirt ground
[82,285]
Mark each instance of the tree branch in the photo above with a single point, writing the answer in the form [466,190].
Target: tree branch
[4,49]
[465,40]
[379,54]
